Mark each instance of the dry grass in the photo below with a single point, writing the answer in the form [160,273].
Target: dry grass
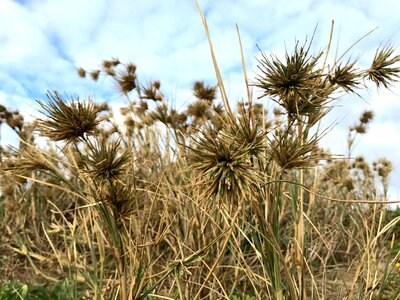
[204,203]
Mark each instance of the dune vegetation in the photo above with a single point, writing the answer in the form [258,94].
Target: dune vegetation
[219,200]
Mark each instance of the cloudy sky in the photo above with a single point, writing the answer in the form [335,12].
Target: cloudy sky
[42,43]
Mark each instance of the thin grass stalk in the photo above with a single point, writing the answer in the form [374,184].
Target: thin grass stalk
[273,252]
[216,68]
[299,226]
[249,98]
[222,250]
[299,238]
[98,265]
[329,45]
[118,247]
[266,235]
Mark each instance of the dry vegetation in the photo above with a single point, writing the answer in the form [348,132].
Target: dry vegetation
[203,203]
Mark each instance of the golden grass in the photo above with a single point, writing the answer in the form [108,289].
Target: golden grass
[213,204]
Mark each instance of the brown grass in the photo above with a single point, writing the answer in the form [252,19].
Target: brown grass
[203,203]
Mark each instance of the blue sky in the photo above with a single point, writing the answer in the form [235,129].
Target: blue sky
[42,43]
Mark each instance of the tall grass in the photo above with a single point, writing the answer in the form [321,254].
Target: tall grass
[204,203]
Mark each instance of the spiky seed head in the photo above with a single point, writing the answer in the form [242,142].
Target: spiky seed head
[295,83]
[383,167]
[130,68]
[129,123]
[152,92]
[199,109]
[127,79]
[223,166]
[176,119]
[361,164]
[360,159]
[115,61]
[382,70]
[95,74]
[105,161]
[348,183]
[345,76]
[142,107]
[103,107]
[156,84]
[366,117]
[360,128]
[287,150]
[15,121]
[68,121]
[107,64]
[160,113]
[203,92]
[81,72]
[120,197]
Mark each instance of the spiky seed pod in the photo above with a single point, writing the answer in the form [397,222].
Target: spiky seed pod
[203,92]
[176,119]
[152,92]
[107,64]
[95,74]
[383,167]
[345,76]
[160,113]
[103,107]
[348,183]
[130,68]
[366,117]
[105,162]
[81,72]
[382,71]
[359,160]
[199,109]
[224,167]
[294,84]
[118,195]
[218,109]
[287,150]
[115,62]
[68,121]
[129,123]
[15,121]
[127,79]
[250,133]
[157,84]
[259,111]
[122,198]
[142,107]
[360,128]
[361,164]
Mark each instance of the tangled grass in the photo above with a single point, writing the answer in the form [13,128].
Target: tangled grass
[204,203]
